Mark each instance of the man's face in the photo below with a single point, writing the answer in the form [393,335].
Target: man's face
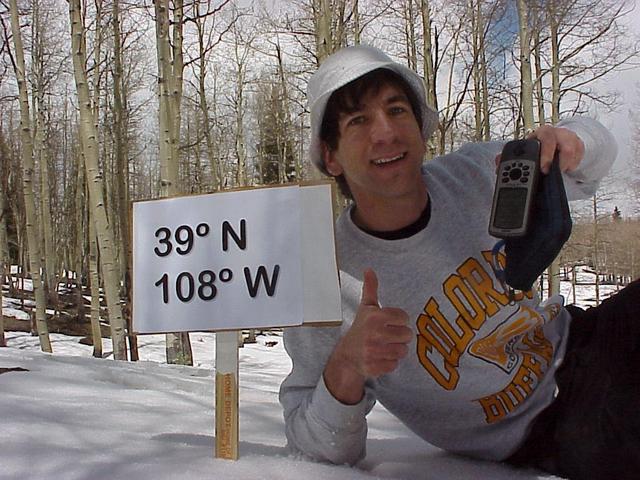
[380,149]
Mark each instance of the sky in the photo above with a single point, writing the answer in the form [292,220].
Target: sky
[69,416]
[625,82]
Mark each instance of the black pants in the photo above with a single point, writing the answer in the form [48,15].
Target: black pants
[592,430]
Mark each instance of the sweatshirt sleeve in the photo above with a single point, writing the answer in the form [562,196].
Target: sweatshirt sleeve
[600,150]
[316,424]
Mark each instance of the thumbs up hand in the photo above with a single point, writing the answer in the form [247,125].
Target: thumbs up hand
[374,345]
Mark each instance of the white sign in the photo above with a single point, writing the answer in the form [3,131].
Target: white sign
[232,260]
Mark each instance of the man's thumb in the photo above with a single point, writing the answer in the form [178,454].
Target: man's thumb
[370,288]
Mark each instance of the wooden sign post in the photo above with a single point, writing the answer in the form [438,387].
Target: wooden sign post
[227,395]
[255,258]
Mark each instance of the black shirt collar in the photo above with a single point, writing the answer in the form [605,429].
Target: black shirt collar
[405,232]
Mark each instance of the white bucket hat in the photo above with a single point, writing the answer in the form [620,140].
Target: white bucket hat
[345,66]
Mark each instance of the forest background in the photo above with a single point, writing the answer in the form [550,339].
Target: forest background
[105,102]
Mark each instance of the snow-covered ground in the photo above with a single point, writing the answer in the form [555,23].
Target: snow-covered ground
[70,416]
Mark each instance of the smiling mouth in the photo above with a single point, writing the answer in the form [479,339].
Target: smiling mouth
[385,161]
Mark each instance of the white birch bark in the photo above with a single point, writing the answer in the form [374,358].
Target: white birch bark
[28,178]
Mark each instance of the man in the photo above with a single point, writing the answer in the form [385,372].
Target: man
[428,330]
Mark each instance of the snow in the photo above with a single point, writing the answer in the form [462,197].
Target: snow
[11,308]
[72,416]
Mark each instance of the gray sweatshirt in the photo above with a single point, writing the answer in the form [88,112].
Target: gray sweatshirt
[479,369]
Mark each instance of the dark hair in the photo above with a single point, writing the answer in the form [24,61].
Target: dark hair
[347,99]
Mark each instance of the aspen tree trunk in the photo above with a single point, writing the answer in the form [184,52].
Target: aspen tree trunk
[323,33]
[3,341]
[4,241]
[69,162]
[325,46]
[554,287]
[170,67]
[554,269]
[216,174]
[555,62]
[93,256]
[340,21]
[596,255]
[28,177]
[486,116]
[241,175]
[284,131]
[176,80]
[80,212]
[122,177]
[48,244]
[410,34]
[5,261]
[554,278]
[538,84]
[96,333]
[241,54]
[166,87]
[74,207]
[214,161]
[477,35]
[120,139]
[445,124]
[4,251]
[484,81]
[356,23]
[88,133]
[429,73]
[241,157]
[280,132]
[41,157]
[526,83]
[168,171]
[427,52]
